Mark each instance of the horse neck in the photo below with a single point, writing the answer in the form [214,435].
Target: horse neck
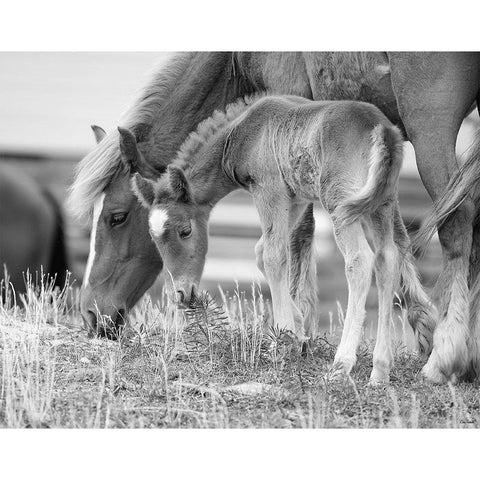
[206,83]
[206,174]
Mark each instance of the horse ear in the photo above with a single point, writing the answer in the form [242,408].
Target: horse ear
[144,190]
[179,184]
[98,132]
[129,149]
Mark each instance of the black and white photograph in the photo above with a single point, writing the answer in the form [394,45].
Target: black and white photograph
[248,239]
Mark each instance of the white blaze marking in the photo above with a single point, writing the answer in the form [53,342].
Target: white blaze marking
[97,210]
[157,220]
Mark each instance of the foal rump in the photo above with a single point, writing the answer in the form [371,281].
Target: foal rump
[384,168]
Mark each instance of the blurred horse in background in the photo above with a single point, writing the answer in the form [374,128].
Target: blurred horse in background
[31,231]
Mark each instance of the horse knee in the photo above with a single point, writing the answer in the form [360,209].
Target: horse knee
[386,258]
[259,255]
[273,263]
[358,263]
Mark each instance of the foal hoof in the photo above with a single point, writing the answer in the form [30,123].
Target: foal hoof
[340,370]
[433,375]
[378,378]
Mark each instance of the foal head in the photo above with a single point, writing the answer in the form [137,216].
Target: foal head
[179,227]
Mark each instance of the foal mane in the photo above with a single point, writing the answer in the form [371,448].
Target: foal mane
[210,126]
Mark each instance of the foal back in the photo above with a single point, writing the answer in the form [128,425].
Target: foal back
[325,149]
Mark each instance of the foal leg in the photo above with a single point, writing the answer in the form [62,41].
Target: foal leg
[432,111]
[358,257]
[303,267]
[272,257]
[387,276]
[259,256]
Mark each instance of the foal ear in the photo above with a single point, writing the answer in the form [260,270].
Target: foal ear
[98,132]
[144,190]
[129,149]
[179,184]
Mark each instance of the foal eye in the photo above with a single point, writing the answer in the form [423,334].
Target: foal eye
[117,219]
[185,232]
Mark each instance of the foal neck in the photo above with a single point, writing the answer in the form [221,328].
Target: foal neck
[206,175]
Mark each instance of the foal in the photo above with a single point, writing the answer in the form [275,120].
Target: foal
[288,152]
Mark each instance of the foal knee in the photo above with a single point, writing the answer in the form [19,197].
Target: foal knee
[273,263]
[358,263]
[386,258]
[259,255]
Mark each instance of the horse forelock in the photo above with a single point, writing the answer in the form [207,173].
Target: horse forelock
[93,174]
[97,169]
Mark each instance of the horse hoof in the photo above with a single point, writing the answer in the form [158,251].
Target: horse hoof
[432,374]
[340,369]
[378,378]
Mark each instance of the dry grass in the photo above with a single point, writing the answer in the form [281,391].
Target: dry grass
[210,368]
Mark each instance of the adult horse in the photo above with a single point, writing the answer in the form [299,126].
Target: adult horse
[31,230]
[123,261]
[426,95]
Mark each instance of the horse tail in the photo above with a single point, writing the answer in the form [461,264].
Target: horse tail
[386,156]
[421,313]
[462,185]
[58,259]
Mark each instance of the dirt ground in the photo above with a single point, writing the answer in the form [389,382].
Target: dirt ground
[213,368]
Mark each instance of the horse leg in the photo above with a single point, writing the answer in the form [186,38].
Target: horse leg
[358,257]
[474,285]
[303,269]
[273,248]
[434,91]
[421,313]
[387,277]
[259,256]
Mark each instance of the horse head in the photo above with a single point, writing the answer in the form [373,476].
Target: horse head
[123,261]
[179,229]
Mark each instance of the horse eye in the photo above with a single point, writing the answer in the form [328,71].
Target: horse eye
[185,232]
[117,219]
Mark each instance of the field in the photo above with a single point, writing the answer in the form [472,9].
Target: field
[210,367]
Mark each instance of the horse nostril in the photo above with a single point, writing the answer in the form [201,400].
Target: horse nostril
[90,322]
[181,296]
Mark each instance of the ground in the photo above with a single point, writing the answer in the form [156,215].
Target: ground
[209,367]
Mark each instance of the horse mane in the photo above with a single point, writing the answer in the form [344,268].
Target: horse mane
[97,169]
[210,126]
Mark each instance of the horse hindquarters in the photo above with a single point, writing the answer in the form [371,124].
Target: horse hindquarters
[421,313]
[432,111]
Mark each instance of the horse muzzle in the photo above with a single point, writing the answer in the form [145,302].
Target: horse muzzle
[103,321]
[108,326]
[185,297]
